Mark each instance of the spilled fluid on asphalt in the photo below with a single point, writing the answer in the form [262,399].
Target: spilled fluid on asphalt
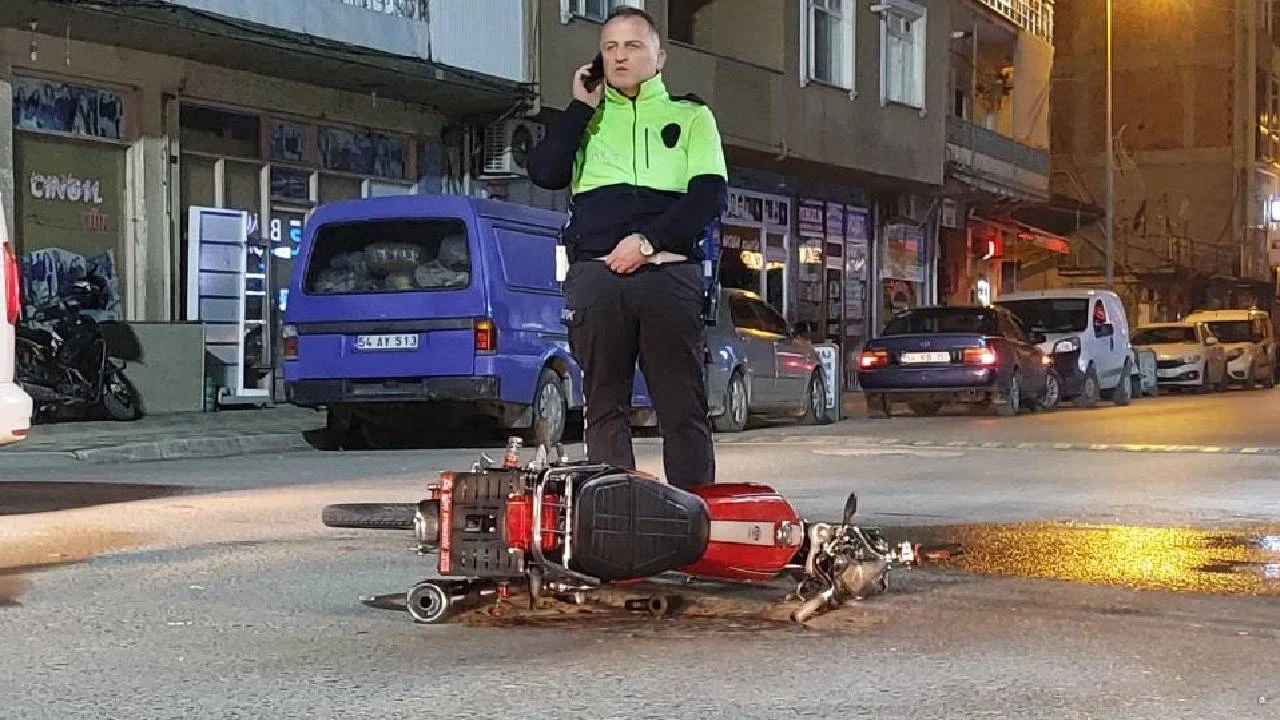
[1143,558]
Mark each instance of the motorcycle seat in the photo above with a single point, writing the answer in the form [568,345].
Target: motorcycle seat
[628,526]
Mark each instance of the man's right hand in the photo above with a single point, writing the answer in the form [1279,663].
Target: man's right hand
[580,91]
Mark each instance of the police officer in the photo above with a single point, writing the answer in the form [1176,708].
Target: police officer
[647,175]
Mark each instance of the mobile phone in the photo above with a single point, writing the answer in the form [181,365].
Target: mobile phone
[595,74]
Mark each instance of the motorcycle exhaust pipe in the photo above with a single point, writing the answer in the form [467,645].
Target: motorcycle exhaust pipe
[426,525]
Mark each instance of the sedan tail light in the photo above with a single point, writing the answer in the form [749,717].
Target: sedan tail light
[980,356]
[869,359]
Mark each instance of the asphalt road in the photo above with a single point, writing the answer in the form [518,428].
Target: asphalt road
[1238,417]
[222,596]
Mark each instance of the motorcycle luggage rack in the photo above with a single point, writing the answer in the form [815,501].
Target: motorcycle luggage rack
[535,547]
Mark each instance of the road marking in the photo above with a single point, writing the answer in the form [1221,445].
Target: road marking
[794,440]
[881,452]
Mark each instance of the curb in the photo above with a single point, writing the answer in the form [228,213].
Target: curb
[192,448]
[978,445]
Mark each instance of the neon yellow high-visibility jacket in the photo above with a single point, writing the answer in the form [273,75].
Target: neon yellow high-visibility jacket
[652,164]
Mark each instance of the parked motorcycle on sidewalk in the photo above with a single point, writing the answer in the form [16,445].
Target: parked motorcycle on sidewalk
[65,363]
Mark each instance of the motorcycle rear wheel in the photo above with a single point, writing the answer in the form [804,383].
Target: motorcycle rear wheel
[120,398]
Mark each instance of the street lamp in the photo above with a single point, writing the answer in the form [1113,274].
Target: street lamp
[1110,245]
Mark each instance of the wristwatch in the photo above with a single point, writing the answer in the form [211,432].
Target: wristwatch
[646,247]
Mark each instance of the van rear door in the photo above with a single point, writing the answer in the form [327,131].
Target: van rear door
[388,298]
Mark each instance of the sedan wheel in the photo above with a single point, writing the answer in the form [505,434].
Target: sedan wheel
[1009,405]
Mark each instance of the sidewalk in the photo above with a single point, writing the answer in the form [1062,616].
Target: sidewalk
[201,435]
[173,436]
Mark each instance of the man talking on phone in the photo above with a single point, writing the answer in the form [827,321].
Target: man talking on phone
[647,175]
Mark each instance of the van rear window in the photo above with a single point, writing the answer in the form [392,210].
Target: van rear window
[387,256]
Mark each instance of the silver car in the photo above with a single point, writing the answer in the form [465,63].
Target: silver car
[760,367]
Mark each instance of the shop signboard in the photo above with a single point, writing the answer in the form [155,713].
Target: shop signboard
[829,359]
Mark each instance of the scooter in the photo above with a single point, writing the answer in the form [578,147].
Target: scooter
[67,365]
[567,528]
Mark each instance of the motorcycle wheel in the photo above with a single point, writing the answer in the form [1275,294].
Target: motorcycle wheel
[120,398]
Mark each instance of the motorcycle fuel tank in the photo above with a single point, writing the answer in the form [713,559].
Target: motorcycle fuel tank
[754,533]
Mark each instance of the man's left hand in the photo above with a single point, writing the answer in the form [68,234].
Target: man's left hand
[626,257]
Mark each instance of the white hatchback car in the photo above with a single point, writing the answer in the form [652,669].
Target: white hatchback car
[15,405]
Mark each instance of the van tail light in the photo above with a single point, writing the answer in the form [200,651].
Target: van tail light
[12,285]
[870,359]
[980,356]
[290,336]
[486,336]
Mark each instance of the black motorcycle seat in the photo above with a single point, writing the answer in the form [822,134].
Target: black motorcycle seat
[629,526]
[35,335]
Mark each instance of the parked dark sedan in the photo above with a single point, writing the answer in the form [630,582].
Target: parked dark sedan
[976,355]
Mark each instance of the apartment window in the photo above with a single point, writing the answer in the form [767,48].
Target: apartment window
[902,52]
[1269,17]
[827,28]
[596,10]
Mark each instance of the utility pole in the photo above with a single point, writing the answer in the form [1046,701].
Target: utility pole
[1111,170]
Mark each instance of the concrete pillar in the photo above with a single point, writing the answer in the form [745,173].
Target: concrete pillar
[8,184]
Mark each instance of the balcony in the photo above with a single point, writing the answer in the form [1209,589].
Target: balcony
[1034,16]
[478,36]
[996,163]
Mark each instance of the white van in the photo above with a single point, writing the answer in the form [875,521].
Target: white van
[1249,340]
[15,405]
[1087,332]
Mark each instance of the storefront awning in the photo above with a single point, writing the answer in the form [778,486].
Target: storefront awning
[1028,234]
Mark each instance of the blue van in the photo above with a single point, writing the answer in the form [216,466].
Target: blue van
[411,313]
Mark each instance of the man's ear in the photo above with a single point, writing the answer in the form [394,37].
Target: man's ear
[662,58]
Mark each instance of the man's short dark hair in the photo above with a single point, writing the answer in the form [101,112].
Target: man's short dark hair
[627,11]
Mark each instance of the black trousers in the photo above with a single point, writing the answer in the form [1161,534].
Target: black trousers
[653,315]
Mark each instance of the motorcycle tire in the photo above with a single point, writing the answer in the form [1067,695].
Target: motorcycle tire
[369,516]
[124,408]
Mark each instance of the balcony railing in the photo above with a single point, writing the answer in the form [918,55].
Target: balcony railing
[411,9]
[1034,16]
[973,137]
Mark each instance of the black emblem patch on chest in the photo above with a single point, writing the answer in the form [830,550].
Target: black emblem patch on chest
[671,135]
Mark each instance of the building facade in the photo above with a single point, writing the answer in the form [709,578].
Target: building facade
[833,116]
[1002,225]
[119,122]
[1197,150]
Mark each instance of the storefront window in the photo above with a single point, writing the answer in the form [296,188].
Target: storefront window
[754,247]
[337,187]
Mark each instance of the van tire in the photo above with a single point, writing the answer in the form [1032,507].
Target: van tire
[1122,395]
[548,397]
[1090,391]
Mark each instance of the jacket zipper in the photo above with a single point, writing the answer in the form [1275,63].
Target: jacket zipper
[646,148]
[635,150]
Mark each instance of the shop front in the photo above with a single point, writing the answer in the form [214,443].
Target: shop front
[70,166]
[259,176]
[832,268]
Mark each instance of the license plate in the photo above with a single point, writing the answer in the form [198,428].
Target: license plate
[926,357]
[402,341]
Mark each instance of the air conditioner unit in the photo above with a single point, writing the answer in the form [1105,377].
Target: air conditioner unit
[507,145]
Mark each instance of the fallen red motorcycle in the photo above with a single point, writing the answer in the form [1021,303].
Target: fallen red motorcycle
[563,529]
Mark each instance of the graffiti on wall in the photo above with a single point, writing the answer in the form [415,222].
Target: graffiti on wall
[47,275]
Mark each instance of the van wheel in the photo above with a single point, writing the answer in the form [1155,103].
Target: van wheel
[550,410]
[1091,391]
[1122,395]
[734,417]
